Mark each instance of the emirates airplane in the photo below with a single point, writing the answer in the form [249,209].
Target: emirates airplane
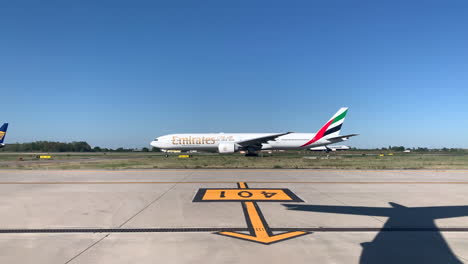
[254,142]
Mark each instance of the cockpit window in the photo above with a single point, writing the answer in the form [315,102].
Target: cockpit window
[155,139]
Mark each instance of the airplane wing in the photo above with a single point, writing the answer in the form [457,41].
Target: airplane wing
[340,209]
[345,137]
[258,141]
[444,211]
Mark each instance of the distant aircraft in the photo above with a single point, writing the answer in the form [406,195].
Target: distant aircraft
[254,142]
[330,148]
[3,131]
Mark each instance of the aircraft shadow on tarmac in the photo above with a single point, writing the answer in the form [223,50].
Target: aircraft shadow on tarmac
[404,246]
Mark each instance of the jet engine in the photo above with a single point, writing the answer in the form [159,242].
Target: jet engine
[227,147]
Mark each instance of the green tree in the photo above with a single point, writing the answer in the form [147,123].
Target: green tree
[97,149]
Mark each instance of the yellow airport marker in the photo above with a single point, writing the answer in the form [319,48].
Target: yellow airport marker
[259,230]
[239,195]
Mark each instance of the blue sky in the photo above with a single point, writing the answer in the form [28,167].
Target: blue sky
[121,73]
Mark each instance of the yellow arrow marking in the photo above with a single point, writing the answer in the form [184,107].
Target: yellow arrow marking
[242,185]
[259,230]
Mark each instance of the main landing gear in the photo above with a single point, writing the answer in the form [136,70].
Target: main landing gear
[251,152]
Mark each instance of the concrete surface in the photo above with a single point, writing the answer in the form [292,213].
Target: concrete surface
[163,199]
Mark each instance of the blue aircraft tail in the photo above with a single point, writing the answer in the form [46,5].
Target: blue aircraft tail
[3,130]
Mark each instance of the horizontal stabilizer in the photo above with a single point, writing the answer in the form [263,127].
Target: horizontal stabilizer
[345,137]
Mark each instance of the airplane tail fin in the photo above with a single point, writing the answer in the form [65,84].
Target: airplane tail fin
[3,131]
[332,127]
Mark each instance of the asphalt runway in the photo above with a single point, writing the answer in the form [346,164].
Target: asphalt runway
[234,216]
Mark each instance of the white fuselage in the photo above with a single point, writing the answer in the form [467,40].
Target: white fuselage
[211,141]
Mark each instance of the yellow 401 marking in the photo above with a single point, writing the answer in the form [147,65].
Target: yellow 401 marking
[240,194]
[259,231]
